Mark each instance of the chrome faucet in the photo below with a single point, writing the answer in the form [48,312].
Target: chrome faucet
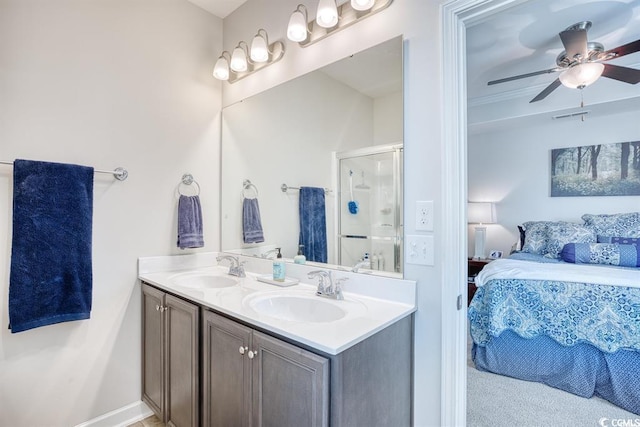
[327,287]
[268,253]
[236,267]
[360,264]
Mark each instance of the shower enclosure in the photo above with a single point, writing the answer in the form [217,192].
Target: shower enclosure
[369,208]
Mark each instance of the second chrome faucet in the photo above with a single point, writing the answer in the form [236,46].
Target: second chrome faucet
[327,286]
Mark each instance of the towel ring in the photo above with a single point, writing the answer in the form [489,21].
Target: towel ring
[187,179]
[248,185]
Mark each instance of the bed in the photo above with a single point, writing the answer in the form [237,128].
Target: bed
[574,326]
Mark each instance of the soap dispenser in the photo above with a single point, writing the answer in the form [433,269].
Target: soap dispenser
[279,267]
[300,258]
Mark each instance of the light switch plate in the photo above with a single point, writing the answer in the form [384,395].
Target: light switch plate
[419,250]
[424,215]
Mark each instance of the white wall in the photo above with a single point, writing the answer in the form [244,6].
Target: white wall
[419,22]
[510,165]
[104,83]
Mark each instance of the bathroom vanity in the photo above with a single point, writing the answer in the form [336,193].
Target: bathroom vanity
[220,350]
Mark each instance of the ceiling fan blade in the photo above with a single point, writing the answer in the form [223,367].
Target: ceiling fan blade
[625,49]
[542,95]
[623,74]
[575,43]
[522,76]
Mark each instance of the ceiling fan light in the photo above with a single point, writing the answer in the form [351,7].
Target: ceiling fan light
[581,75]
[327,14]
[362,4]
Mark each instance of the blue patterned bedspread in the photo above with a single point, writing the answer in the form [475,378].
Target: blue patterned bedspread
[607,317]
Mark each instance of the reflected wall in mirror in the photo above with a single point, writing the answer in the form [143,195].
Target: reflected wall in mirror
[296,134]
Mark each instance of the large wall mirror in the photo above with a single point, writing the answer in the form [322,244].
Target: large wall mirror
[337,130]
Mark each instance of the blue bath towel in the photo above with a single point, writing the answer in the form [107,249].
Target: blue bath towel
[51,275]
[313,224]
[190,233]
[251,222]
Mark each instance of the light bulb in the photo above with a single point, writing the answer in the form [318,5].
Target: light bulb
[297,29]
[327,14]
[238,60]
[362,4]
[221,69]
[259,49]
[581,75]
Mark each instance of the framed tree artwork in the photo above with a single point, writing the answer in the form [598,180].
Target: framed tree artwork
[596,170]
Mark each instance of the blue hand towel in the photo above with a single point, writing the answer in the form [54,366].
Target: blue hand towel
[251,222]
[313,224]
[51,275]
[190,222]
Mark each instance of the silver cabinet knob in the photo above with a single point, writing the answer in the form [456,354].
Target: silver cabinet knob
[252,354]
[157,307]
[241,350]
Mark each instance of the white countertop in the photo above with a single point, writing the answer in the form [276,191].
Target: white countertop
[366,314]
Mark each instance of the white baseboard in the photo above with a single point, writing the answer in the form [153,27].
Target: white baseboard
[120,417]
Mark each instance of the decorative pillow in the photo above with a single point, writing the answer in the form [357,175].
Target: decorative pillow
[621,240]
[602,253]
[535,241]
[561,233]
[623,224]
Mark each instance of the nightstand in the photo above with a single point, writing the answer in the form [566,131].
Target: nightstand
[473,268]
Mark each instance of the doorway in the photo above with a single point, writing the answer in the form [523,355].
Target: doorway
[456,15]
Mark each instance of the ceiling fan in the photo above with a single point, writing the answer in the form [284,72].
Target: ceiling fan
[582,62]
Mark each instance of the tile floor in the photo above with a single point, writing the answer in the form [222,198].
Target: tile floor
[151,421]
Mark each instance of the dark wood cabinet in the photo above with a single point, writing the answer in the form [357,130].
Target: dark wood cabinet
[252,379]
[170,357]
[473,268]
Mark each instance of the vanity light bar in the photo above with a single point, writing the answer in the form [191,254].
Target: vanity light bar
[347,16]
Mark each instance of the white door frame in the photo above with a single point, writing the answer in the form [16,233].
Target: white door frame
[455,16]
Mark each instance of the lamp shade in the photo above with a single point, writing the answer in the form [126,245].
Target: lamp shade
[362,4]
[259,49]
[238,60]
[297,29]
[221,69]
[481,213]
[581,75]
[327,14]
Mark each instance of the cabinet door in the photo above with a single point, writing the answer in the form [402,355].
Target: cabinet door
[182,357]
[290,385]
[152,350]
[226,390]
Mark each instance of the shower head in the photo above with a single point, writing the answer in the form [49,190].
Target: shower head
[362,185]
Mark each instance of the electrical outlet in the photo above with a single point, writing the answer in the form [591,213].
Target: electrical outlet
[424,215]
[419,250]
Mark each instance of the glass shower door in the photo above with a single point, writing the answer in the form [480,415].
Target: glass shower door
[370,208]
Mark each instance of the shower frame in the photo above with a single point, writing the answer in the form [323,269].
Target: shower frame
[397,239]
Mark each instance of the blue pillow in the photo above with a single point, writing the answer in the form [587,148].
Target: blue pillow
[621,240]
[602,253]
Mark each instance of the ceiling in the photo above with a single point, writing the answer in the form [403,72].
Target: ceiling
[220,8]
[524,38]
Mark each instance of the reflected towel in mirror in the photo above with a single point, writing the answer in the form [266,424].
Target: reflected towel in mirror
[251,222]
[313,224]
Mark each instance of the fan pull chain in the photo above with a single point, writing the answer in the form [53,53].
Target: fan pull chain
[581,104]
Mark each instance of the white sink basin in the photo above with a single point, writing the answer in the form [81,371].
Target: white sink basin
[302,307]
[201,280]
